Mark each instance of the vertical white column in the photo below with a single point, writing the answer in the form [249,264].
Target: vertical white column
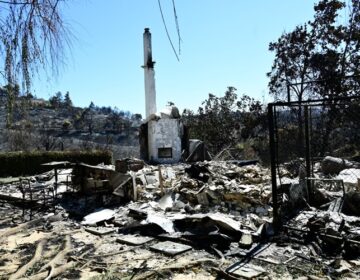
[149,76]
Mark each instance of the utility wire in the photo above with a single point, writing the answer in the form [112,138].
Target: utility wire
[167,32]
[177,26]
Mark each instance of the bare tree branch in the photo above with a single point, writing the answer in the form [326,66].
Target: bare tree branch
[33,36]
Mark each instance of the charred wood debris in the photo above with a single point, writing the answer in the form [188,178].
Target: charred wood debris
[201,220]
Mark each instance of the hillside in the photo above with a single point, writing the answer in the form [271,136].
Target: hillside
[39,124]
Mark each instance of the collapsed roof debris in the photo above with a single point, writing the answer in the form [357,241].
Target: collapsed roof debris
[147,222]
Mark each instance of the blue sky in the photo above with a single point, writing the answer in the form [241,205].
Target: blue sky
[224,43]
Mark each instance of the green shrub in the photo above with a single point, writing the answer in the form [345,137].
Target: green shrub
[29,163]
[66,125]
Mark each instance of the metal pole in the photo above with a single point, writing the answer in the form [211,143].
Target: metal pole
[56,180]
[311,140]
[307,151]
[273,166]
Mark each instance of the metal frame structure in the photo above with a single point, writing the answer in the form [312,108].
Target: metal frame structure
[306,107]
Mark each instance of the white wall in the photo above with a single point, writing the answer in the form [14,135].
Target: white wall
[165,133]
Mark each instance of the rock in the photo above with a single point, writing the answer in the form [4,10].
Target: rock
[333,165]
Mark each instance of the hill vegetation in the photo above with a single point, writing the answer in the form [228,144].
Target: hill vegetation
[56,124]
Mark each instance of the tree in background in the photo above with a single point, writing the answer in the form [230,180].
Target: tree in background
[20,139]
[67,100]
[56,100]
[136,117]
[32,36]
[215,120]
[320,50]
[320,58]
[12,92]
[88,116]
[223,121]
[291,67]
[336,63]
[60,101]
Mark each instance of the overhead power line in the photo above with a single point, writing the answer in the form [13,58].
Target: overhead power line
[177,25]
[167,32]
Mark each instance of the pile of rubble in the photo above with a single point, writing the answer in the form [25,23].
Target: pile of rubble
[205,220]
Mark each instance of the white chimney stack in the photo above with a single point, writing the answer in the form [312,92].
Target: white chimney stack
[149,73]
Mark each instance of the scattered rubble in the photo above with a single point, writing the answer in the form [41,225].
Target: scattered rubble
[212,218]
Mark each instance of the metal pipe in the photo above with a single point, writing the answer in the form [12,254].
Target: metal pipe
[307,151]
[273,166]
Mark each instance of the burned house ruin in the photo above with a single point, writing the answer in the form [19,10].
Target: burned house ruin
[162,135]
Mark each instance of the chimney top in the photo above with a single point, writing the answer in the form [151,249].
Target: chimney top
[147,29]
